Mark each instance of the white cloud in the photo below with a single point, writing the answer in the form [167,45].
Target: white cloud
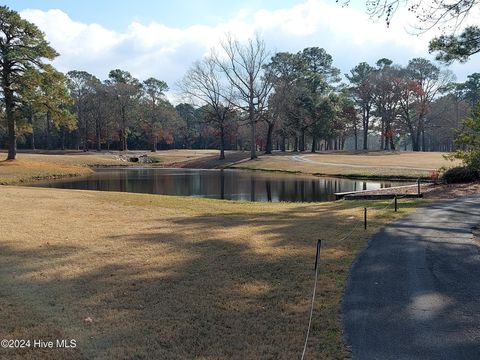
[166,52]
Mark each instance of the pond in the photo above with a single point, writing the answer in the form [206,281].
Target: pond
[226,184]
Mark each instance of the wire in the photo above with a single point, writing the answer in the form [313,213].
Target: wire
[317,266]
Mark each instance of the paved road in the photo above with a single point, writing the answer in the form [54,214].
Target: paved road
[305,159]
[414,293]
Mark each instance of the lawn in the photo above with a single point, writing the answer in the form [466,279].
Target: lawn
[55,164]
[376,164]
[145,276]
[408,165]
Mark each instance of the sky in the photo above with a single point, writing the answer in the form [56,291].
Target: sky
[163,38]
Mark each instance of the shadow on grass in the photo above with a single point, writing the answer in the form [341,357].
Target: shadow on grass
[214,286]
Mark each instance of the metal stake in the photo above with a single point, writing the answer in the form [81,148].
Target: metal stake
[365,218]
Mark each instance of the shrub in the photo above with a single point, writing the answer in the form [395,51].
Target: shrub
[469,139]
[460,174]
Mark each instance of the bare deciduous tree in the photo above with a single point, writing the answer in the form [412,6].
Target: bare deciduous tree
[244,68]
[204,85]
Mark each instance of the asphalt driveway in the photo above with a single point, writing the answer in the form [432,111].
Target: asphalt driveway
[414,292]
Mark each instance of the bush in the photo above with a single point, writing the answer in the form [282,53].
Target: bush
[460,174]
[469,139]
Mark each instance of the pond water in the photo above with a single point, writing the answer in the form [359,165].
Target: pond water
[218,184]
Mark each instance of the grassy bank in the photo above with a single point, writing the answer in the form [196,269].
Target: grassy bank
[55,164]
[131,275]
[404,165]
[371,165]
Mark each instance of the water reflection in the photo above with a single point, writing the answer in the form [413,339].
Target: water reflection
[218,184]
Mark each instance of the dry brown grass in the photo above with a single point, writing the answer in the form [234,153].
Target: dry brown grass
[172,157]
[168,277]
[371,164]
[23,170]
[30,167]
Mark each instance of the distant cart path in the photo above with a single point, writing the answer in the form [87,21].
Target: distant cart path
[414,292]
[304,158]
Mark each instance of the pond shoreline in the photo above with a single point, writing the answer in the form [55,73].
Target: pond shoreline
[226,184]
[405,178]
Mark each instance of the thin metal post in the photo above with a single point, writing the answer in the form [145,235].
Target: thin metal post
[317,265]
[365,218]
[396,203]
[317,256]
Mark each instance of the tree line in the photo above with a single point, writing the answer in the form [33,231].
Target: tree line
[239,97]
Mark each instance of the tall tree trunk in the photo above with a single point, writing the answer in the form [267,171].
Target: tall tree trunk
[314,144]
[11,125]
[365,120]
[365,140]
[253,149]
[32,135]
[63,139]
[295,144]
[98,142]
[98,135]
[382,135]
[120,135]
[48,129]
[302,140]
[424,146]
[77,139]
[222,144]
[268,149]
[85,137]
[282,144]
[32,139]
[153,143]
[356,138]
[124,131]
[392,144]
[415,146]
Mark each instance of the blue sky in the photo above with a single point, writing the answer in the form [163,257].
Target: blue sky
[162,39]
[119,14]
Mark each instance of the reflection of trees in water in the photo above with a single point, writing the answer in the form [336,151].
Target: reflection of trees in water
[282,194]
[222,184]
[252,188]
[268,186]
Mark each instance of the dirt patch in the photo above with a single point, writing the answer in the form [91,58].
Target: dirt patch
[428,191]
[452,191]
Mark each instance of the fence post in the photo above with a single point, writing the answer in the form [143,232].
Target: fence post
[317,265]
[396,204]
[365,218]
[418,187]
[317,256]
